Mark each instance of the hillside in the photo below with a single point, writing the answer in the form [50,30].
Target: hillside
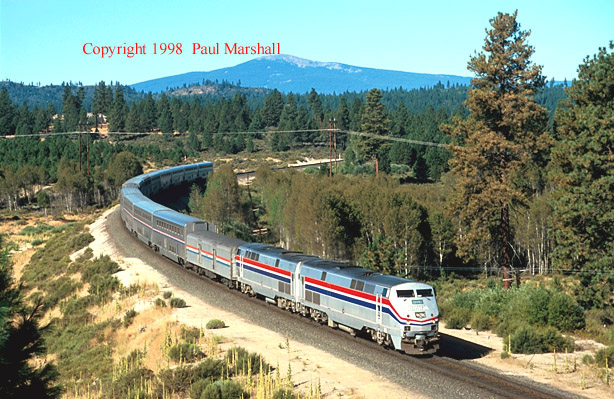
[293,74]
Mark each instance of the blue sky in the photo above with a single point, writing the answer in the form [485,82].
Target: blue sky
[42,41]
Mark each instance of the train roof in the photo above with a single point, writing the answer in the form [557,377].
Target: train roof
[356,272]
[131,189]
[216,239]
[277,252]
[138,180]
[149,206]
[176,217]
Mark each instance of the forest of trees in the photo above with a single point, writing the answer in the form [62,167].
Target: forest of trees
[509,184]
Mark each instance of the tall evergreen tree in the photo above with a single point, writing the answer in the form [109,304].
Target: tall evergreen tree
[118,112]
[7,113]
[165,121]
[272,108]
[496,142]
[70,108]
[20,342]
[315,103]
[374,122]
[582,172]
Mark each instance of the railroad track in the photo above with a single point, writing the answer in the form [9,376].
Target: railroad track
[434,376]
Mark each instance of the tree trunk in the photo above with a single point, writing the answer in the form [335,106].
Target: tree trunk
[506,257]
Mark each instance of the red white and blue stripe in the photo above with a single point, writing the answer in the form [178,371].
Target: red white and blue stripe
[363,299]
[208,255]
[264,269]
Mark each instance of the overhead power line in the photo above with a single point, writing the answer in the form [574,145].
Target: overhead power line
[375,136]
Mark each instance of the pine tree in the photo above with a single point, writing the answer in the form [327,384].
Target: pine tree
[582,172]
[272,108]
[496,142]
[165,121]
[118,112]
[374,122]
[7,113]
[315,103]
[20,342]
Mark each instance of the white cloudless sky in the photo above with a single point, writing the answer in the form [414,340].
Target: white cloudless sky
[42,41]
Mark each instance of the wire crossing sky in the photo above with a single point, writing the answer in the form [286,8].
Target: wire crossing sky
[55,41]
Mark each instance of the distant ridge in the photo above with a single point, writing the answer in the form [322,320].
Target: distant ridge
[288,73]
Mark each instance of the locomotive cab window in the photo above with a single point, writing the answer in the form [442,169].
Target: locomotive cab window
[425,292]
[405,293]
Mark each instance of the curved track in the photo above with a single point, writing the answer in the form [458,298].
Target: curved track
[434,376]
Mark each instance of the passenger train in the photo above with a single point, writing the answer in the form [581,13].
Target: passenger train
[393,311]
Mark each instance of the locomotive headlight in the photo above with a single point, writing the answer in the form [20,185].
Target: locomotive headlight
[421,315]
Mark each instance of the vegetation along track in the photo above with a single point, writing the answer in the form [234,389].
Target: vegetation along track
[432,376]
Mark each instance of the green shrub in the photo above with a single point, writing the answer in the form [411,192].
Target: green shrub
[198,387]
[185,352]
[491,301]
[103,265]
[564,313]
[505,355]
[129,317]
[131,384]
[209,369]
[227,389]
[239,359]
[457,318]
[190,334]
[553,340]
[58,289]
[284,393]
[34,230]
[167,294]
[507,327]
[177,303]
[528,339]
[75,309]
[215,324]
[36,242]
[481,321]
[101,287]
[159,302]
[176,380]
[538,300]
[603,354]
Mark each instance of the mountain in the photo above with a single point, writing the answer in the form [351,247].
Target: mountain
[292,74]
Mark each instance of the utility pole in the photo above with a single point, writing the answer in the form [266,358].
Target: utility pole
[88,150]
[335,141]
[79,136]
[330,148]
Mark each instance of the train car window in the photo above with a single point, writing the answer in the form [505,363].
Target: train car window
[405,293]
[353,284]
[256,257]
[277,263]
[425,292]
[323,276]
[360,286]
[385,292]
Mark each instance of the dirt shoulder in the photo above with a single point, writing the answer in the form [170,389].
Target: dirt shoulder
[567,372]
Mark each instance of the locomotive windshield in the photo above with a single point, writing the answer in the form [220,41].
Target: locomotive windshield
[425,292]
[405,293]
